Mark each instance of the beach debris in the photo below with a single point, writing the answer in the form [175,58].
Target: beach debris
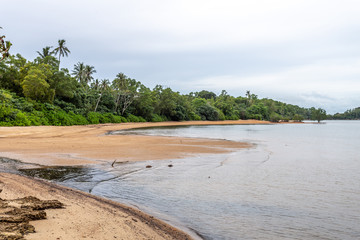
[112,165]
[15,215]
[170,165]
[148,166]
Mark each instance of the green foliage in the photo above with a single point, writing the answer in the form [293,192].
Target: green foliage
[298,118]
[206,95]
[207,112]
[351,114]
[132,118]
[12,117]
[40,93]
[4,48]
[93,117]
[193,116]
[157,118]
[35,86]
[318,114]
[275,117]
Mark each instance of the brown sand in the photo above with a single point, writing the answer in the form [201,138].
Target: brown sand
[86,216]
[76,145]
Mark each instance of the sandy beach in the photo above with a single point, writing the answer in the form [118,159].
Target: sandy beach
[86,216]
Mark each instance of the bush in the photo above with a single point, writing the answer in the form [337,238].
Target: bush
[38,118]
[274,117]
[133,118]
[78,119]
[207,112]
[157,118]
[255,116]
[298,118]
[93,117]
[221,115]
[232,117]
[12,117]
[193,116]
[62,118]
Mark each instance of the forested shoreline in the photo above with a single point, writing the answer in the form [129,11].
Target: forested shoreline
[40,92]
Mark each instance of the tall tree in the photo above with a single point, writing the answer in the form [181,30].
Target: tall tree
[4,47]
[78,71]
[35,85]
[45,52]
[318,114]
[126,90]
[104,85]
[88,72]
[62,50]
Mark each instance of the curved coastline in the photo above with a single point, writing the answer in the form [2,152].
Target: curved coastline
[40,145]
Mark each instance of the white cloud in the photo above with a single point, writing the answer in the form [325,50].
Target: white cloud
[322,84]
[274,48]
[327,77]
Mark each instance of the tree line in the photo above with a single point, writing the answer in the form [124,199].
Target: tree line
[351,114]
[39,92]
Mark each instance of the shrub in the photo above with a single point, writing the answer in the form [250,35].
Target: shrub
[221,115]
[274,117]
[37,118]
[255,116]
[298,118]
[78,119]
[21,120]
[194,116]
[207,112]
[93,117]
[157,118]
[232,117]
[133,118]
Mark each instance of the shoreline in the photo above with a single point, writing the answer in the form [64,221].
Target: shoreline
[40,145]
[85,216]
[90,144]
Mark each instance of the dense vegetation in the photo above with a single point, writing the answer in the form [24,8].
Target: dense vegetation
[40,92]
[350,114]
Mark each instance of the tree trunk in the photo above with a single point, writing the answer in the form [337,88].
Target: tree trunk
[117,102]
[97,103]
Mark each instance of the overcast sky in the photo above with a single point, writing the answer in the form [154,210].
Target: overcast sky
[303,52]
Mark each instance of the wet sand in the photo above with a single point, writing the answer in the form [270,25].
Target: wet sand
[86,216]
[77,145]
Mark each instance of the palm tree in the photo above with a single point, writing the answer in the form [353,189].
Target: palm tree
[45,52]
[78,71]
[61,49]
[88,72]
[96,84]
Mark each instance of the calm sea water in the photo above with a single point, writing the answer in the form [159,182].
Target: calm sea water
[301,181]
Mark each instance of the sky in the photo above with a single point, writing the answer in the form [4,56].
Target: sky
[302,52]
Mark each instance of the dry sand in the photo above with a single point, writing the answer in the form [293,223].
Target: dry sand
[86,216]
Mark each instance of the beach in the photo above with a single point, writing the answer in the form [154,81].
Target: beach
[86,216]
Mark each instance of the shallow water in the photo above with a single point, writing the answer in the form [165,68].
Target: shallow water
[301,181]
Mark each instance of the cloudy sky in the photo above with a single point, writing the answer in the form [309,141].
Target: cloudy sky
[304,52]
